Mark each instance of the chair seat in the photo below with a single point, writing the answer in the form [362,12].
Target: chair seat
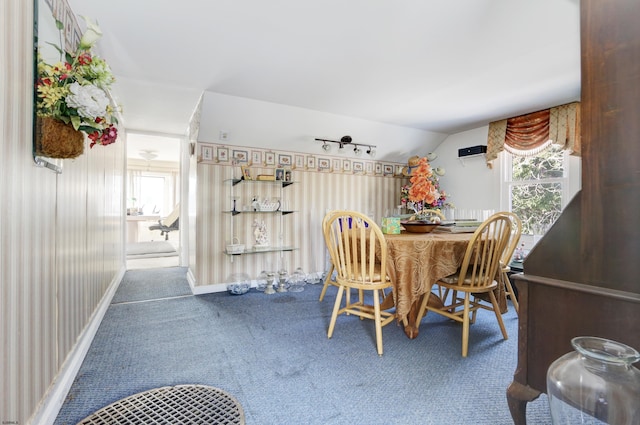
[452,280]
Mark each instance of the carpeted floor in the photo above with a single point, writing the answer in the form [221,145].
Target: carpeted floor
[150,249]
[271,352]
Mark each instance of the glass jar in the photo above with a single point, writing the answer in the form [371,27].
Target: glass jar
[596,384]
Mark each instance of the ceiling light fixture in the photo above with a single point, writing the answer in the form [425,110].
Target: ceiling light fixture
[148,154]
[347,140]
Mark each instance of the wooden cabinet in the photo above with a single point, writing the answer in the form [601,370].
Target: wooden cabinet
[581,279]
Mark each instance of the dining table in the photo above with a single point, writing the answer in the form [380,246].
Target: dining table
[415,262]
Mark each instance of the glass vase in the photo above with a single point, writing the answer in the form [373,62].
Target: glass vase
[595,384]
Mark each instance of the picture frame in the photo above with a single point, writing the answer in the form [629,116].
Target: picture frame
[324,164]
[358,167]
[398,170]
[279,173]
[269,158]
[299,161]
[387,170]
[346,165]
[240,156]
[222,154]
[378,168]
[256,157]
[336,165]
[287,176]
[246,172]
[311,162]
[206,153]
[284,160]
[368,168]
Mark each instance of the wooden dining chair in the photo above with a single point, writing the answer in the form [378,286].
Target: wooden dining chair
[514,238]
[328,280]
[358,252]
[476,276]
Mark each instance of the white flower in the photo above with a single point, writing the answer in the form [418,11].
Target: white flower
[91,35]
[89,100]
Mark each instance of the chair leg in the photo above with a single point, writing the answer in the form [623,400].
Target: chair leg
[327,282]
[496,310]
[378,320]
[510,292]
[336,308]
[465,325]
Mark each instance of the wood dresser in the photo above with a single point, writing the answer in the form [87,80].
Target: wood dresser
[583,277]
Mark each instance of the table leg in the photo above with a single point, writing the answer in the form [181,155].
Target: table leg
[410,325]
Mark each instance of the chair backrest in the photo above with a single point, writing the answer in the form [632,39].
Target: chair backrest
[484,252]
[357,247]
[514,238]
[171,219]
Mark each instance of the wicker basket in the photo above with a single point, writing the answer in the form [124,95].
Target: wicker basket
[55,139]
[235,247]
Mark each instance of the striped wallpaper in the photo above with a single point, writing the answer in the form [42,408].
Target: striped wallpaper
[61,235]
[311,195]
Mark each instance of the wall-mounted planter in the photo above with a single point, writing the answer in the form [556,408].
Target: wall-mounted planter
[55,139]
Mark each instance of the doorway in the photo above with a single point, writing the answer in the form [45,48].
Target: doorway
[153,199]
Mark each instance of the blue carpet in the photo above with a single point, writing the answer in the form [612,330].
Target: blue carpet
[148,284]
[271,352]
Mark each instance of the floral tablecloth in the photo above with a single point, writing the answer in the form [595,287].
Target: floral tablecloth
[415,261]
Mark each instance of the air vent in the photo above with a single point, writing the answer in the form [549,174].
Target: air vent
[473,150]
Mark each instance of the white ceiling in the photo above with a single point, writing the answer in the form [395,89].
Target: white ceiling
[441,66]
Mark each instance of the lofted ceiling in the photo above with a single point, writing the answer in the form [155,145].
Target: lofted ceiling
[438,66]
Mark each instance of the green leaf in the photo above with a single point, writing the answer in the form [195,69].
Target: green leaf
[56,46]
[59,25]
[75,121]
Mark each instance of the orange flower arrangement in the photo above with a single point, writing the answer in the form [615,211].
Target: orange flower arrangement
[423,190]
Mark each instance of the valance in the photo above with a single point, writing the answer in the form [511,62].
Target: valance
[529,134]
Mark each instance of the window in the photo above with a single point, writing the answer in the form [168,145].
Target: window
[152,194]
[537,187]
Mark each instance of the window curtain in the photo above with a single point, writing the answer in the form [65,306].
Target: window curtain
[531,133]
[133,187]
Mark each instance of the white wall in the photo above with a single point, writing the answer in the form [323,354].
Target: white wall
[269,125]
[469,183]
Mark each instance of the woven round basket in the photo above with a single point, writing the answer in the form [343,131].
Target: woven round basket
[55,139]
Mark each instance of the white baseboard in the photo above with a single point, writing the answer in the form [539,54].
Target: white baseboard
[51,403]
[204,289]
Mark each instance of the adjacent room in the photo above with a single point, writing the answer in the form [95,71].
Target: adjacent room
[320,213]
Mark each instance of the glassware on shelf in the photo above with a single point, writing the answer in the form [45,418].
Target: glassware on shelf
[595,384]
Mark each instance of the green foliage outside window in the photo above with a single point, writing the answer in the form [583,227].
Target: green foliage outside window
[536,190]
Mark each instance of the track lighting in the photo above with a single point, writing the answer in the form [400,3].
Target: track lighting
[347,140]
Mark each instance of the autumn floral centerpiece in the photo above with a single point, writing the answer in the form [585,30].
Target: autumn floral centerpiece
[72,100]
[424,195]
